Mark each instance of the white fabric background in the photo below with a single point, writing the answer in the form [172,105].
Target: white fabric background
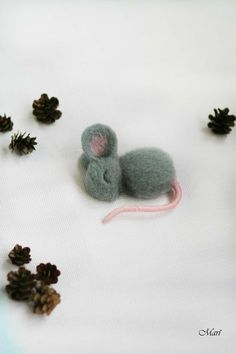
[153,70]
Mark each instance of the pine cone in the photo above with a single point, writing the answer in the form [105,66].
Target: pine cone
[44,299]
[6,123]
[47,273]
[20,284]
[22,144]
[20,255]
[45,109]
[221,122]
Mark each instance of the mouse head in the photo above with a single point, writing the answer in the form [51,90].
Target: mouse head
[103,175]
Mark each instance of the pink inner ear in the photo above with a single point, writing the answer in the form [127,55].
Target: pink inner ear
[98,145]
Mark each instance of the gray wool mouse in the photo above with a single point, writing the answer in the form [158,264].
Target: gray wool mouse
[143,173]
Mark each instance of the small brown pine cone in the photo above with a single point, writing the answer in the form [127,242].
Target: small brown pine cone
[20,284]
[22,144]
[221,122]
[45,109]
[20,255]
[6,123]
[44,299]
[47,273]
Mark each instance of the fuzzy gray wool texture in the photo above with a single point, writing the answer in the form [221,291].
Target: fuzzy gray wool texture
[142,173]
[147,173]
[103,179]
[99,130]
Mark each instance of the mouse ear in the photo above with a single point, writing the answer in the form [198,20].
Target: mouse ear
[99,141]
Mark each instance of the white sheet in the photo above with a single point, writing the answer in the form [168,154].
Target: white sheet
[153,70]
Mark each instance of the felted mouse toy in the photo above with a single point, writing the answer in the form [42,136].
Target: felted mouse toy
[143,173]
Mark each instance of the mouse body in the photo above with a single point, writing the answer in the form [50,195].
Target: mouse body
[147,173]
[142,173]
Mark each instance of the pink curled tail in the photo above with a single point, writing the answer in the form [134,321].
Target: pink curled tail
[155,208]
